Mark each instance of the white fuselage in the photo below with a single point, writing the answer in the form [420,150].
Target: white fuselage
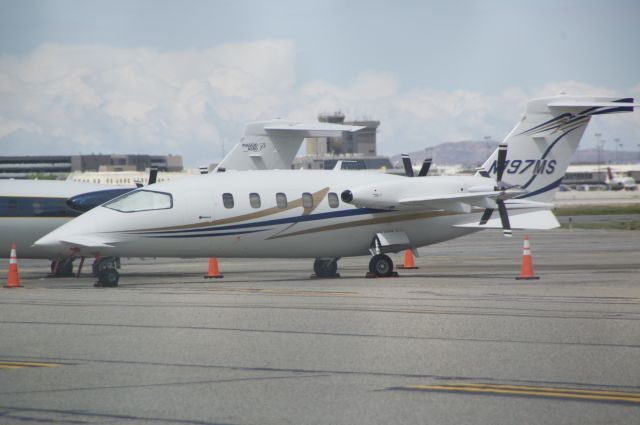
[196,222]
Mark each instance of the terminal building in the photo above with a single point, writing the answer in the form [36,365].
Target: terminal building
[60,166]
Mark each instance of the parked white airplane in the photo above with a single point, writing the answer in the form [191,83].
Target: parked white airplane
[333,214]
[29,209]
[615,182]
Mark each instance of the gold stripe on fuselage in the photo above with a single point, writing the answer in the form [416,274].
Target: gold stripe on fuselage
[297,203]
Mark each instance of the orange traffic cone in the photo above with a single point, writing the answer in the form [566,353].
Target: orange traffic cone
[13,280]
[526,271]
[213,269]
[409,262]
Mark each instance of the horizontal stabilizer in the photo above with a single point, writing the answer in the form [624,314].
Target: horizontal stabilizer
[587,104]
[532,220]
[314,129]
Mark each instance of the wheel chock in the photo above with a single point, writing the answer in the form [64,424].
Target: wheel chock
[315,276]
[370,275]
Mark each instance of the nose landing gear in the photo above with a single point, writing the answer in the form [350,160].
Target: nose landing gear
[106,271]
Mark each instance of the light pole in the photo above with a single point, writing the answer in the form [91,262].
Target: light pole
[618,144]
[598,149]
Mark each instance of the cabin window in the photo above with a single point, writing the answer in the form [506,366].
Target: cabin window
[141,200]
[281,200]
[227,200]
[254,200]
[333,200]
[307,200]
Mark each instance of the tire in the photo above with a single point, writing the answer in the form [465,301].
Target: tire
[109,277]
[325,268]
[381,265]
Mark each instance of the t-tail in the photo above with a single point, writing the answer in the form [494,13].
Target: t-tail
[542,144]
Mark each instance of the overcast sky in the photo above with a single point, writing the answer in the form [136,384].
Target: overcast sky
[183,77]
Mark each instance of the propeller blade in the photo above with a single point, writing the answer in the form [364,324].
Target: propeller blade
[426,164]
[504,217]
[153,174]
[486,215]
[502,157]
[408,167]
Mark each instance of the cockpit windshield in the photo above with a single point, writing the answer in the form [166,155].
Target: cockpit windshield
[141,200]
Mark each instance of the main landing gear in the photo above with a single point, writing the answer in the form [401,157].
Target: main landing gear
[106,271]
[326,267]
[381,265]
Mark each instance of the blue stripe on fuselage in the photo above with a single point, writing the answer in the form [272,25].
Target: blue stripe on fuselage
[206,235]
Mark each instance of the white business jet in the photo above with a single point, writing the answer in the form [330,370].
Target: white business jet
[29,209]
[331,214]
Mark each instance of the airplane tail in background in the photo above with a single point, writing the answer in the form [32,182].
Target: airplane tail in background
[271,145]
[542,144]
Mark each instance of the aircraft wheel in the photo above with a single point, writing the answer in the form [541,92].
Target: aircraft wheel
[108,277]
[381,265]
[325,268]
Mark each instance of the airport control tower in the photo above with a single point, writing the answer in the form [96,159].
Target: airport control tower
[362,142]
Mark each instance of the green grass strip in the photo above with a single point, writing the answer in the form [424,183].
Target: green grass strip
[609,225]
[598,210]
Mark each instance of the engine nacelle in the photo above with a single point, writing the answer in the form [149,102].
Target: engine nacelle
[383,196]
[438,192]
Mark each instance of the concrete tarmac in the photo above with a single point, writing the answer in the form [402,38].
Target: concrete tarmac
[457,341]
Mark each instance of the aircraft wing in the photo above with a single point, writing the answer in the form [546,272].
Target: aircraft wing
[452,202]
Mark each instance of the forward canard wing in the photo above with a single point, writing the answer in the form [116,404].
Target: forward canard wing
[75,241]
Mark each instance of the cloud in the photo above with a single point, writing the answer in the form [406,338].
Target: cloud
[66,99]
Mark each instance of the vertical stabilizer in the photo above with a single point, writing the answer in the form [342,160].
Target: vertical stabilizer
[542,144]
[269,145]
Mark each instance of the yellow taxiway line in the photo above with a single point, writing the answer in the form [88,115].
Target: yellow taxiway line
[565,393]
[21,365]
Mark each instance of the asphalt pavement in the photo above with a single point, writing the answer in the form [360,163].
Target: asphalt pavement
[457,341]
